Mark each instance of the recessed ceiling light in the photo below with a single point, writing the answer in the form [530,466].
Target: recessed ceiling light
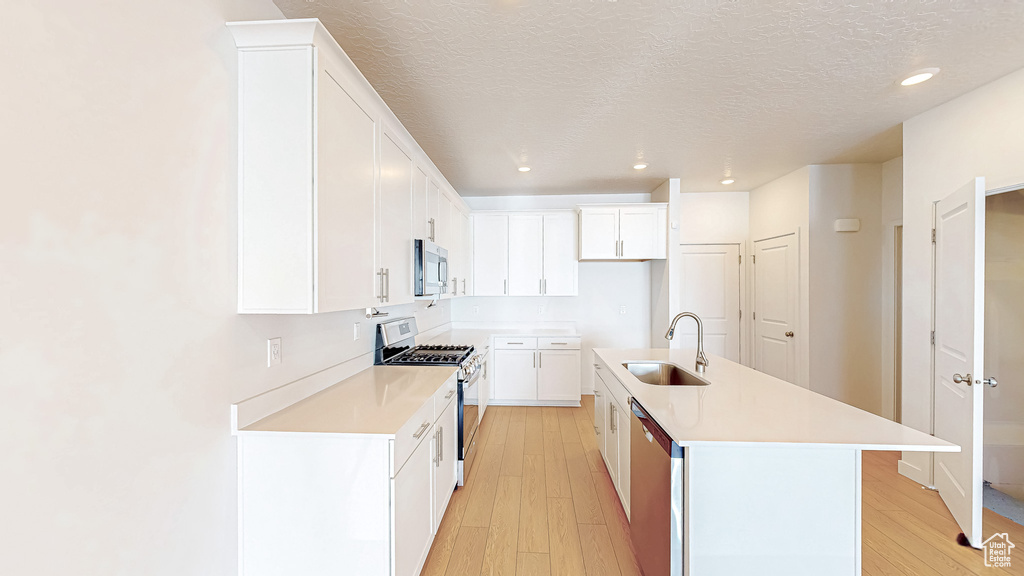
[728,181]
[639,166]
[919,76]
[524,168]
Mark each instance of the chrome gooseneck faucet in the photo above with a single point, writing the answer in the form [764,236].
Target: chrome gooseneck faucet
[702,360]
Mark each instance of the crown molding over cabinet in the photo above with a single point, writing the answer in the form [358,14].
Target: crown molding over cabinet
[332,188]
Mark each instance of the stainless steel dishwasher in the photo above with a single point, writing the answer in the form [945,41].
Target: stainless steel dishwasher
[655,495]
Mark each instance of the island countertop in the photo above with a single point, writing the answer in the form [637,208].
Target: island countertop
[742,406]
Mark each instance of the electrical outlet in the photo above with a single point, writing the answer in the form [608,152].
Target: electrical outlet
[476,310]
[355,331]
[622,310]
[273,352]
[540,309]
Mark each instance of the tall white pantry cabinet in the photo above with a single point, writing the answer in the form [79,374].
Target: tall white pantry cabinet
[332,188]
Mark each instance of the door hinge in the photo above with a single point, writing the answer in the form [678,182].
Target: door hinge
[933,235]
[741,259]
[933,337]
[753,259]
[755,315]
[741,314]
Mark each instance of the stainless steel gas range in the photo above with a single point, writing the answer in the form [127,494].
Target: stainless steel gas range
[396,346]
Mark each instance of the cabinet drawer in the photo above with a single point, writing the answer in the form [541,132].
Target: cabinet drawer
[558,343]
[412,433]
[445,395]
[504,343]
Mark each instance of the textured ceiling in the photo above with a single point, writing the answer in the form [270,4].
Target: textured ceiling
[579,89]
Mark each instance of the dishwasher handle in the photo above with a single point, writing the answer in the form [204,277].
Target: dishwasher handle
[654,432]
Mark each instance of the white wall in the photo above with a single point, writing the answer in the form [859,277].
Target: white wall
[783,207]
[1004,335]
[846,284]
[978,134]
[892,216]
[603,288]
[714,217]
[120,349]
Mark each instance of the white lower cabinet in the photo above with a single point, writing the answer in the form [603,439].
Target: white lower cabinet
[536,371]
[327,504]
[611,423]
[414,513]
[445,461]
[515,375]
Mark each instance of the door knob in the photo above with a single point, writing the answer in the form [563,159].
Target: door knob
[962,379]
[990,382]
[789,334]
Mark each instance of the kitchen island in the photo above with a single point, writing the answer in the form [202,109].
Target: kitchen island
[766,477]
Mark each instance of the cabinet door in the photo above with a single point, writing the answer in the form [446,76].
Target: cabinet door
[414,509]
[420,226]
[490,254]
[599,233]
[467,256]
[642,232]
[611,449]
[443,230]
[622,435]
[600,412]
[560,253]
[344,267]
[558,375]
[433,208]
[456,271]
[526,254]
[395,206]
[515,375]
[446,460]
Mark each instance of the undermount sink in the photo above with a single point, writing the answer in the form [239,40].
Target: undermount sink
[662,374]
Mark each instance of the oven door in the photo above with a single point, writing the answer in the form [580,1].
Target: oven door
[469,420]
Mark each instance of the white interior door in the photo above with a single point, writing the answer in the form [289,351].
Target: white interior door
[776,291]
[525,254]
[710,286]
[959,351]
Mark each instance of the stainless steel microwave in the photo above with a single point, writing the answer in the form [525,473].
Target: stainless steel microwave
[431,269]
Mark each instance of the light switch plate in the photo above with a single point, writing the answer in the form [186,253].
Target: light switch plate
[356,329]
[622,309]
[273,352]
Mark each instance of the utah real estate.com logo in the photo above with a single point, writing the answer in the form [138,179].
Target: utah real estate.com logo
[997,550]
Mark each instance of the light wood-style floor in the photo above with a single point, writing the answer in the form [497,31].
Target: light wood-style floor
[539,501]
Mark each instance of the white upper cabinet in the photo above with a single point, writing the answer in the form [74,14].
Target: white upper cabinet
[599,233]
[490,254]
[332,188]
[420,219]
[456,247]
[624,231]
[395,240]
[467,255]
[525,254]
[442,226]
[561,270]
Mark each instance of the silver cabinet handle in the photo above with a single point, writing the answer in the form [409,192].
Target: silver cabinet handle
[455,281]
[559,343]
[534,359]
[485,370]
[431,222]
[545,286]
[515,343]
[387,284]
[449,395]
[380,285]
[541,363]
[962,379]
[506,287]
[440,446]
[622,248]
[611,417]
[540,286]
[423,428]
[597,394]
[435,459]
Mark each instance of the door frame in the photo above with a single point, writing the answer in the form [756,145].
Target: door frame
[892,320]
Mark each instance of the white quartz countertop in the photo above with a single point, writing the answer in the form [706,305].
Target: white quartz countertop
[480,337]
[742,407]
[378,400]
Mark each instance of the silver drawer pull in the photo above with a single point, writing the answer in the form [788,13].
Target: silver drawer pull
[422,429]
[449,395]
[515,343]
[559,343]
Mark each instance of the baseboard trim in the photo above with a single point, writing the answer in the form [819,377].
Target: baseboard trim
[559,403]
